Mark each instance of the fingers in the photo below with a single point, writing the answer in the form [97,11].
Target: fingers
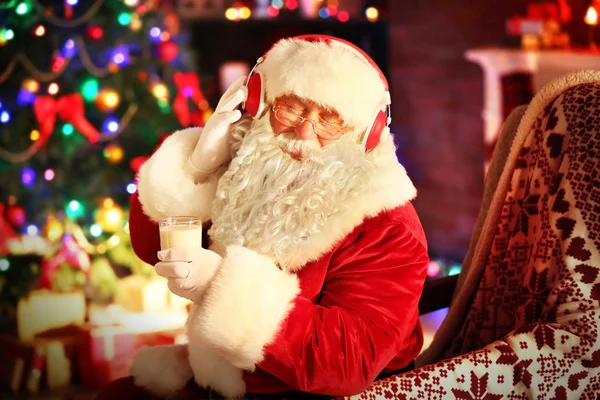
[241,81]
[218,126]
[173,269]
[185,254]
[181,288]
[232,116]
[230,102]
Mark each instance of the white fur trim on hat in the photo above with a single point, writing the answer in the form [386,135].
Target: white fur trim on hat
[329,73]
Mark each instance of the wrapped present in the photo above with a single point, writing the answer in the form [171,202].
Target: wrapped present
[44,310]
[142,294]
[106,352]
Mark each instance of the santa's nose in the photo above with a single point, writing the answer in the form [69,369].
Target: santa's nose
[305,131]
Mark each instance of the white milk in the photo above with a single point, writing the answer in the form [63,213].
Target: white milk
[180,236]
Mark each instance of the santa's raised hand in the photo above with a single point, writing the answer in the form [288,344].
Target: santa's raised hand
[213,149]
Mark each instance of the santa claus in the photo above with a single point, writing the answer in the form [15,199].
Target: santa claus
[316,258]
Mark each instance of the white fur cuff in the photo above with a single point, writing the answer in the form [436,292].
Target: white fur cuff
[245,305]
[165,190]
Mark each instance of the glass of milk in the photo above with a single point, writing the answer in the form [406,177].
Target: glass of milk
[180,232]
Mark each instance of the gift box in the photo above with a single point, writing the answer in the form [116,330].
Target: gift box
[43,310]
[106,353]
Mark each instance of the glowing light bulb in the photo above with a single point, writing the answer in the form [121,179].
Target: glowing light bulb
[118,58]
[40,30]
[231,14]
[155,32]
[131,188]
[67,129]
[32,230]
[244,13]
[591,16]
[34,135]
[31,85]
[95,230]
[28,176]
[372,14]
[160,91]
[22,8]
[49,175]
[53,88]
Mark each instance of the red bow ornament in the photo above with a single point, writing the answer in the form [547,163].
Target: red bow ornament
[70,109]
[188,87]
[71,254]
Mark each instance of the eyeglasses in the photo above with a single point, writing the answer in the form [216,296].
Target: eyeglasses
[325,130]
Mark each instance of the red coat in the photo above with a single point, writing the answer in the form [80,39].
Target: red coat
[330,326]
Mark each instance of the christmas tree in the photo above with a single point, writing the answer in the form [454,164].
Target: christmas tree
[88,89]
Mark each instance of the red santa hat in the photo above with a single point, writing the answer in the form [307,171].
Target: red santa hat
[332,73]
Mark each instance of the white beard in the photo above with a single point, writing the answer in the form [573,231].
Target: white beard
[272,203]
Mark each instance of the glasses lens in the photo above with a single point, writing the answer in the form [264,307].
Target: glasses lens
[288,118]
[328,131]
[323,130]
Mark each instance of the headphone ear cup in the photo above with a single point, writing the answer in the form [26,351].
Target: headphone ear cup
[380,122]
[256,90]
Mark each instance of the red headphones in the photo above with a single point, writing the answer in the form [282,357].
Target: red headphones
[255,102]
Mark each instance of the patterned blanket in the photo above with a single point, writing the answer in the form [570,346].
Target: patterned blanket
[526,322]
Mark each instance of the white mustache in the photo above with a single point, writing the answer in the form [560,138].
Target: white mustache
[289,142]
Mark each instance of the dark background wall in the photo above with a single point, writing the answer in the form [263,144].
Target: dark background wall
[437,104]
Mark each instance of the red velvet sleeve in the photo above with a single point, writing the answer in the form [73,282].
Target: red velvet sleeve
[365,316]
[145,237]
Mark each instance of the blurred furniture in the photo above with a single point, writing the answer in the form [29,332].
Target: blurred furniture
[543,66]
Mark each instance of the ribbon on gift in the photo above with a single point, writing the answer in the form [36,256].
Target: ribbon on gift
[71,254]
[188,87]
[70,109]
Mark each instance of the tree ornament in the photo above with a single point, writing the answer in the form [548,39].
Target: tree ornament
[70,254]
[94,32]
[15,214]
[70,109]
[167,51]
[54,228]
[109,216]
[107,100]
[188,90]
[113,153]
[6,232]
[172,23]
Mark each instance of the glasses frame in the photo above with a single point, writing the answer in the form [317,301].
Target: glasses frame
[340,132]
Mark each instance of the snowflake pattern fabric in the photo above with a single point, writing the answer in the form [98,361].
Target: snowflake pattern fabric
[532,330]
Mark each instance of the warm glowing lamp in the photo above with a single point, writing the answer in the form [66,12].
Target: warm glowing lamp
[591,19]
